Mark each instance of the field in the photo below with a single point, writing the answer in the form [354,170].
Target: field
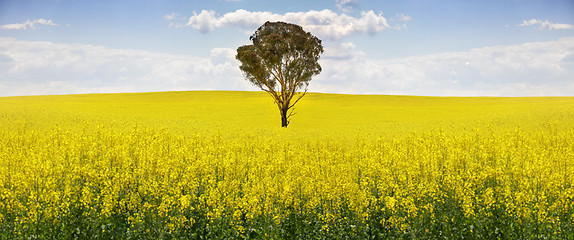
[217,165]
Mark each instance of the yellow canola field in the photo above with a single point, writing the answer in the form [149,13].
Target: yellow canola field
[218,165]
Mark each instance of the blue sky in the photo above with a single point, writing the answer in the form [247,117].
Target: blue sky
[431,47]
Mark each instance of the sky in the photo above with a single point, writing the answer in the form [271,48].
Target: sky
[411,47]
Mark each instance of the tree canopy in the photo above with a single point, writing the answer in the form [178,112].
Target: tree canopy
[281,61]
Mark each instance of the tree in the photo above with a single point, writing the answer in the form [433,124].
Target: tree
[281,61]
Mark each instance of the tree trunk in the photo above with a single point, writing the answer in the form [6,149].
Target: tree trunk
[284,121]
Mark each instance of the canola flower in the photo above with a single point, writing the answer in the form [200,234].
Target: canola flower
[100,181]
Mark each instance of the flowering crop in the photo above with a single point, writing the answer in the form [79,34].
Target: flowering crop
[74,170]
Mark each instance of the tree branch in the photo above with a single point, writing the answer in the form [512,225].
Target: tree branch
[271,91]
[300,96]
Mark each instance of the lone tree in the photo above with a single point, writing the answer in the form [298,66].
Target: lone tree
[281,61]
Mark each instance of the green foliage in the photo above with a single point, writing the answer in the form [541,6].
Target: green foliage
[282,60]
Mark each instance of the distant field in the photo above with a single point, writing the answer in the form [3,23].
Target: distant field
[217,164]
[332,115]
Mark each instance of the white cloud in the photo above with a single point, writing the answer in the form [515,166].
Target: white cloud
[28,67]
[546,25]
[29,24]
[325,24]
[346,5]
[222,55]
[342,51]
[171,16]
[403,17]
[532,69]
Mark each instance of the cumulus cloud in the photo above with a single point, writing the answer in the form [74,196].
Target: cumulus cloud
[29,24]
[29,67]
[545,24]
[326,24]
[532,69]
